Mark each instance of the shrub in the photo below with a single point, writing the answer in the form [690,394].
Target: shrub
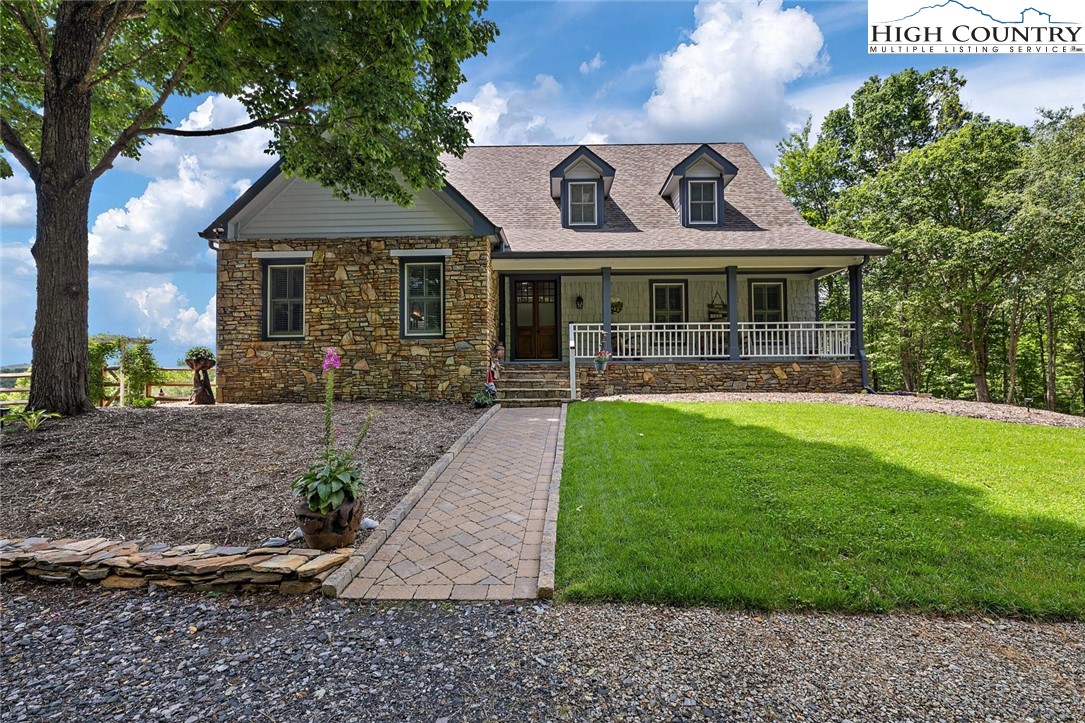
[140,369]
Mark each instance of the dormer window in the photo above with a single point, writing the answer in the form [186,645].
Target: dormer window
[702,203]
[695,187]
[579,185]
[582,204]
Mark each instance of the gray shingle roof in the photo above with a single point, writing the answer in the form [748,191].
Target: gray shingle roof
[510,186]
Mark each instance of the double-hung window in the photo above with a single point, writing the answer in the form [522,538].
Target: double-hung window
[767,301]
[285,304]
[668,302]
[423,298]
[582,206]
[702,202]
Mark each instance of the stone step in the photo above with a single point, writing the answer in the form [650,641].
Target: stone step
[532,402]
[503,394]
[531,383]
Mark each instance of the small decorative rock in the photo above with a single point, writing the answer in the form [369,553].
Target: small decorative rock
[275,542]
[292,537]
[370,524]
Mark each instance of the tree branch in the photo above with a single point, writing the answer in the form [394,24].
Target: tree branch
[17,148]
[120,14]
[34,30]
[136,126]
[130,64]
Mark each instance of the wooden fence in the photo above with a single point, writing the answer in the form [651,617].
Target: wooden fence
[114,385]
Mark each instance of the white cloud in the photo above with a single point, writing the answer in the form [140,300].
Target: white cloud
[512,116]
[591,65]
[17,202]
[17,299]
[166,308]
[157,229]
[728,81]
[593,138]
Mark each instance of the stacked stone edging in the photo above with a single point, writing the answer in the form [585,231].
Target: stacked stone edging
[337,582]
[548,550]
[126,565]
[663,377]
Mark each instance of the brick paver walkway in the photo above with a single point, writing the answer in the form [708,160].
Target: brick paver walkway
[476,534]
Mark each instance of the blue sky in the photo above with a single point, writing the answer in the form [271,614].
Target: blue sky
[564,72]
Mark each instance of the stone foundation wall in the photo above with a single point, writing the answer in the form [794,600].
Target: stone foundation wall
[352,303]
[659,378]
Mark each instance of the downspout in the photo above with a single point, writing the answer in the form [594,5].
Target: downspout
[864,376]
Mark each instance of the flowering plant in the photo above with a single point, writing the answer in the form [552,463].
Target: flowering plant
[602,356]
[335,478]
[486,397]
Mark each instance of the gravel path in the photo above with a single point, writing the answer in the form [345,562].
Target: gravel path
[960,408]
[220,474]
[100,656]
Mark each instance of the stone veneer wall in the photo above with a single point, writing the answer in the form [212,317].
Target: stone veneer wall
[352,303]
[660,378]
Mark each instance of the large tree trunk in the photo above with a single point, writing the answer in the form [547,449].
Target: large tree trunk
[59,382]
[975,346]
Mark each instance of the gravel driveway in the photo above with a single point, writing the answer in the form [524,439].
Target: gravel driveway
[99,656]
[955,407]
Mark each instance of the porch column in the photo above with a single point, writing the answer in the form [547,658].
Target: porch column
[606,308]
[732,313]
[855,289]
[855,296]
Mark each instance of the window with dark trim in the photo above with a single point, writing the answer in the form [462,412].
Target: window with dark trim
[767,301]
[582,204]
[285,302]
[423,298]
[668,302]
[702,202]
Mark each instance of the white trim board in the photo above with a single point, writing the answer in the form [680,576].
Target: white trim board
[420,252]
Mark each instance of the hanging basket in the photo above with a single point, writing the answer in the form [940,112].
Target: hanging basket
[717,308]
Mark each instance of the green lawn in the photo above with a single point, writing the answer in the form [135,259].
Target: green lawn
[833,507]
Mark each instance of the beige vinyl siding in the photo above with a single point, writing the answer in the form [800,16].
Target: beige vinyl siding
[304,209]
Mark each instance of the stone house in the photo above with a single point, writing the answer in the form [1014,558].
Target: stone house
[685,261]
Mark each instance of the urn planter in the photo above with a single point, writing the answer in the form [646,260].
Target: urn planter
[337,528]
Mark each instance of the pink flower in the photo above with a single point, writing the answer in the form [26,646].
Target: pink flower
[331,359]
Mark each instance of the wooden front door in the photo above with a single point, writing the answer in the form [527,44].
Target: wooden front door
[535,310]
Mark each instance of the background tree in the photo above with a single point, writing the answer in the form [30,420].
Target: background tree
[351,91]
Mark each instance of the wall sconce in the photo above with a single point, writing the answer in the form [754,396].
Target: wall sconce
[579,301]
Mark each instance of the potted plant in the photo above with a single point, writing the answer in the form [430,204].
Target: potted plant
[601,358]
[199,359]
[328,502]
[486,397]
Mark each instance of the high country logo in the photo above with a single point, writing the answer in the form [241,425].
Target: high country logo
[975,26]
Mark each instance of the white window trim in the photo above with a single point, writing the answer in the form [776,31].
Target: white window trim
[783,300]
[267,303]
[594,205]
[406,309]
[715,202]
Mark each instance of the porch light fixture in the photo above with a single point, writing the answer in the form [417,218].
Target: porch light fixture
[616,305]
[579,301]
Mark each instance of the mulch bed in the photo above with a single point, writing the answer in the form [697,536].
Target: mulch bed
[956,407]
[218,474]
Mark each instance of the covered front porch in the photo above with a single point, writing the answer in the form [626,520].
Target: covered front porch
[768,311]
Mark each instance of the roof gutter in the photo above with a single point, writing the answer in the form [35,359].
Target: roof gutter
[680,253]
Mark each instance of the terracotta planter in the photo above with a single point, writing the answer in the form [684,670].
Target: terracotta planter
[337,528]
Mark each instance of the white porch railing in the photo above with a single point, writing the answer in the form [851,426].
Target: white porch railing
[688,340]
[709,340]
[790,339]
